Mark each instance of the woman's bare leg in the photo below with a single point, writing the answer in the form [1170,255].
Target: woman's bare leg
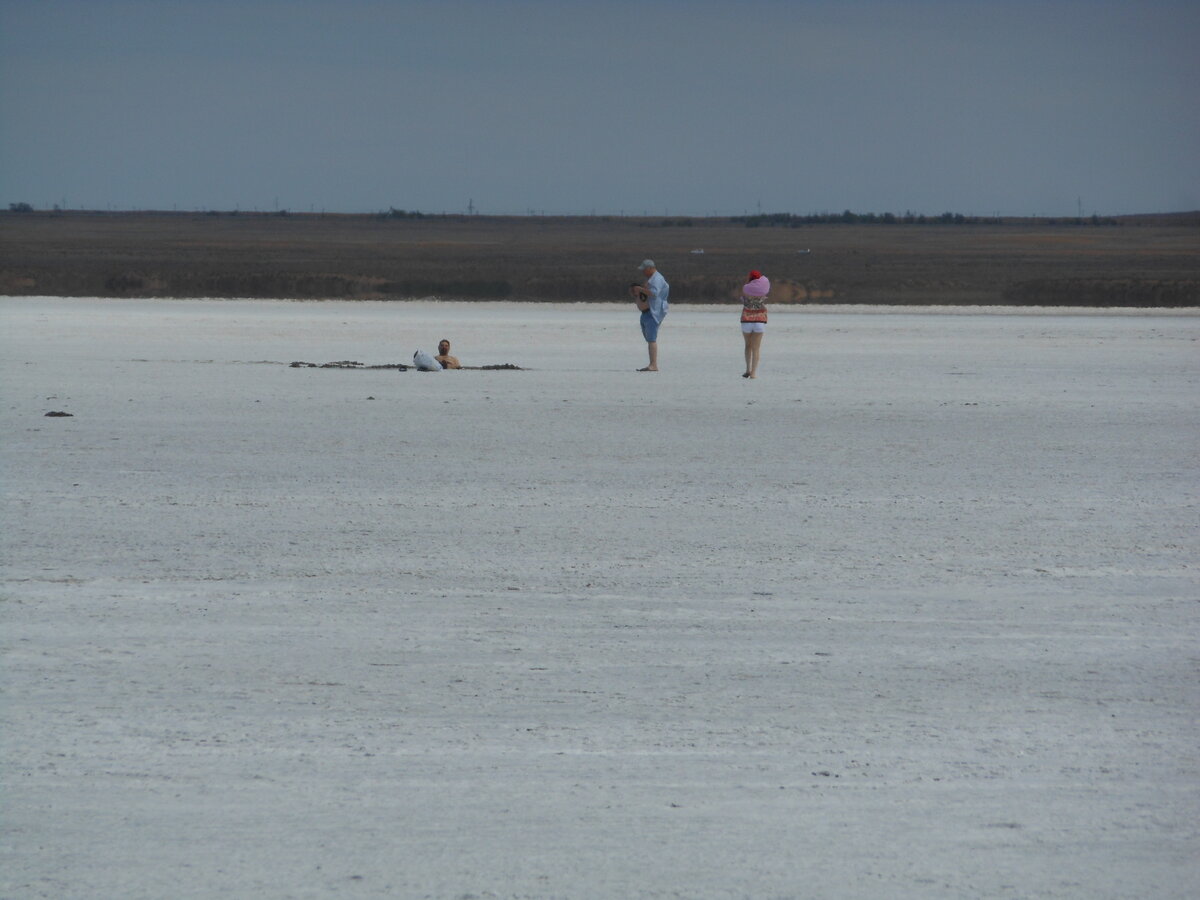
[753,352]
[749,353]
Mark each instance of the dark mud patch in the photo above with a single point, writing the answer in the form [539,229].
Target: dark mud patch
[400,367]
[348,364]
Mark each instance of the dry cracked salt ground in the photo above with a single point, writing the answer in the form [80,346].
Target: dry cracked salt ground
[913,615]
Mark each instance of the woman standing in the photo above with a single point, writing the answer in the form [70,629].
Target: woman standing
[754,318]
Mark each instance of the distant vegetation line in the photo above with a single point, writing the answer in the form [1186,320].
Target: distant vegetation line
[400,255]
[758,220]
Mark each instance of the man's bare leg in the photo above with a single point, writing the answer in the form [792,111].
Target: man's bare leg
[652,347]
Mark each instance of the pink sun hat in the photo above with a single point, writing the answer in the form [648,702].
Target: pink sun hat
[757,285]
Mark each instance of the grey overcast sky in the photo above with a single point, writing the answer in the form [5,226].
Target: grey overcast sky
[657,106]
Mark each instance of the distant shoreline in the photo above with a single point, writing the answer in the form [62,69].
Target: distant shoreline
[713,309]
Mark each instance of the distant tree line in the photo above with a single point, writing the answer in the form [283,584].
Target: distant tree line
[394,213]
[238,212]
[792,220]
[775,220]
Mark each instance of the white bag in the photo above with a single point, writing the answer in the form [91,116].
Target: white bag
[426,363]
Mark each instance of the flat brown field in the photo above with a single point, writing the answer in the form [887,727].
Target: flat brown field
[592,259]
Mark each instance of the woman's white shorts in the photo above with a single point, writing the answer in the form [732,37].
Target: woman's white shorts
[754,327]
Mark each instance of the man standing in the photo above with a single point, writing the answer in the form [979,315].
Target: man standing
[652,301]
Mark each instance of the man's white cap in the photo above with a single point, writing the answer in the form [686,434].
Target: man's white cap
[647,264]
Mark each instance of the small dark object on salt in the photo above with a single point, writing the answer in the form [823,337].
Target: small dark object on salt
[58,414]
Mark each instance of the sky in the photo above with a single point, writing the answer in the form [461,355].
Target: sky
[658,107]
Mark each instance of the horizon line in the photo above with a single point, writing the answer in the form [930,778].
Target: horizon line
[906,217]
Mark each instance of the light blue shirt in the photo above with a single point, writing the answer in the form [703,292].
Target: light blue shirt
[659,290]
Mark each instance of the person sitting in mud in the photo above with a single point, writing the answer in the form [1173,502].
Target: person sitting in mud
[444,357]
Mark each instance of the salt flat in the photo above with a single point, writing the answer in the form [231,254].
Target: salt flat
[913,615]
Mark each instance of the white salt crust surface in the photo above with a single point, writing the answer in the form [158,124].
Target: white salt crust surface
[912,615]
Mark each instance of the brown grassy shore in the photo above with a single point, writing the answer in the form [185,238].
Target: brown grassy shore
[1137,261]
